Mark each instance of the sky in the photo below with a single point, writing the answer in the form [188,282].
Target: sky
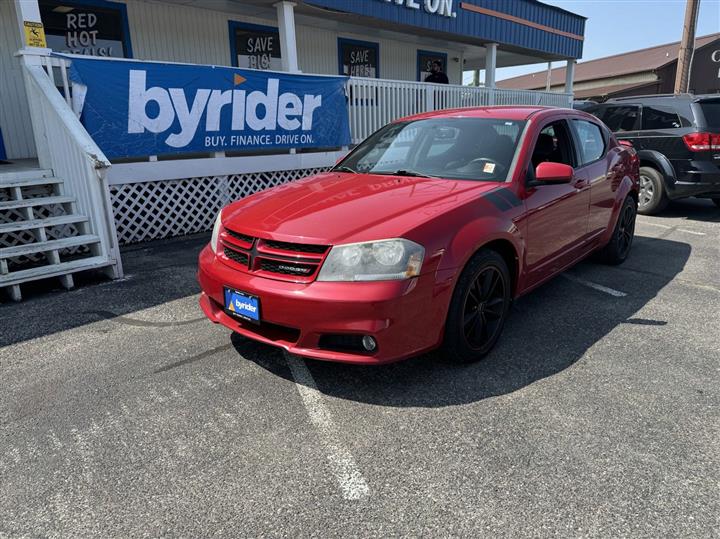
[616,26]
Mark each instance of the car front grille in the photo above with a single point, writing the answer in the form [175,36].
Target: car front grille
[299,262]
[237,256]
[296,247]
[242,237]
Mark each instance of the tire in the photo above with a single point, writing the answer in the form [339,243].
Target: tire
[652,198]
[618,249]
[478,309]
[716,201]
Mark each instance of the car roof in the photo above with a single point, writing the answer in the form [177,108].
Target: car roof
[679,97]
[515,112]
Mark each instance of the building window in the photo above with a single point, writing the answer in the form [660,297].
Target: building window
[255,47]
[91,27]
[425,60]
[358,58]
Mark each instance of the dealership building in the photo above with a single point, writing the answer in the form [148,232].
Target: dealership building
[125,121]
[642,72]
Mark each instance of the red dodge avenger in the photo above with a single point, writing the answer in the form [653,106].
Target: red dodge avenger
[422,236]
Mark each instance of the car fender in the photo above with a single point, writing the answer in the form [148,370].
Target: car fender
[627,185]
[472,237]
[661,163]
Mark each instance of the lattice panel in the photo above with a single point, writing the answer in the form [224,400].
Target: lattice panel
[163,209]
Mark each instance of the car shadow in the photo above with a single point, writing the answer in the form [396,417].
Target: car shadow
[155,273]
[549,330]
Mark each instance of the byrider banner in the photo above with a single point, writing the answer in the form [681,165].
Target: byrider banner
[134,109]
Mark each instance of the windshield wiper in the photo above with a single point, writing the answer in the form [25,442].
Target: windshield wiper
[344,169]
[411,173]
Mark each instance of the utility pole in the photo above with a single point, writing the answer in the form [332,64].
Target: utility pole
[687,47]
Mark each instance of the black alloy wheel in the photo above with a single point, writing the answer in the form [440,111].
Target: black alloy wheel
[484,308]
[478,308]
[618,248]
[626,230]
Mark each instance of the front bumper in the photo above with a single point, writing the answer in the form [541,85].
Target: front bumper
[405,317]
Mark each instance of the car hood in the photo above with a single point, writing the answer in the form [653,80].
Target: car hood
[332,208]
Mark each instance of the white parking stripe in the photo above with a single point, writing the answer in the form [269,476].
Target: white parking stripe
[601,288]
[341,461]
[685,230]
[653,224]
[691,232]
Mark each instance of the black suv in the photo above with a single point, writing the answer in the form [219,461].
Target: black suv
[677,138]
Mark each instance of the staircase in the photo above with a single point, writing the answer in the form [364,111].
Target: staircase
[41,233]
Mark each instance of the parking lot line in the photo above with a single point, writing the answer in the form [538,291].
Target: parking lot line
[654,224]
[342,463]
[668,227]
[601,288]
[691,232]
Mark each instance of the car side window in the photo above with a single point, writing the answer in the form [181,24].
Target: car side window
[554,145]
[657,117]
[621,118]
[590,141]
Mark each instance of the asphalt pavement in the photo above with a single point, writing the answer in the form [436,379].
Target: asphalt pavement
[124,413]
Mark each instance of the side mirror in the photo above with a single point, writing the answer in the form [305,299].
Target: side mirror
[554,173]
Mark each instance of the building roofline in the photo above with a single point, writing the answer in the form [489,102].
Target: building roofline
[562,10]
[710,37]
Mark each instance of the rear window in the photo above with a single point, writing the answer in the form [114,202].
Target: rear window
[657,117]
[711,112]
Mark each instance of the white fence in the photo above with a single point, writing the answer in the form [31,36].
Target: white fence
[372,103]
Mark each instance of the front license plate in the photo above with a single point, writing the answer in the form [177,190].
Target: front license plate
[243,305]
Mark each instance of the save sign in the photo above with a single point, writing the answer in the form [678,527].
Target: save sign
[136,109]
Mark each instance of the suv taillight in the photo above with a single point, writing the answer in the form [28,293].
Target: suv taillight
[702,142]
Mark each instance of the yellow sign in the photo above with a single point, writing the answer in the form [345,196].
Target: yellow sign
[34,34]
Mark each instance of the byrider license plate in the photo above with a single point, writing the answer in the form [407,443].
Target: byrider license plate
[243,305]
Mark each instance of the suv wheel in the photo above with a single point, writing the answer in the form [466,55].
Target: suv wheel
[618,249]
[652,198]
[478,308]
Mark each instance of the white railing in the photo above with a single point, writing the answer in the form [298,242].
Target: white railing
[373,103]
[66,147]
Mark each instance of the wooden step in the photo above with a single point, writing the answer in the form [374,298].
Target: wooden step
[53,270]
[31,202]
[42,223]
[23,174]
[50,245]
[28,182]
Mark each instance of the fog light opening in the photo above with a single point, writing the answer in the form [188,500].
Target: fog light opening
[369,343]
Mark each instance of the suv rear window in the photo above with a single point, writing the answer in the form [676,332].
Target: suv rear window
[711,112]
[659,118]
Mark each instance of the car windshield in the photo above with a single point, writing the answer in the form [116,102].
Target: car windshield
[454,148]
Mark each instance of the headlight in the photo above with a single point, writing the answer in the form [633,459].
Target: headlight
[215,233]
[383,260]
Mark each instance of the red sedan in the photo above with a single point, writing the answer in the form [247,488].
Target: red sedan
[422,236]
